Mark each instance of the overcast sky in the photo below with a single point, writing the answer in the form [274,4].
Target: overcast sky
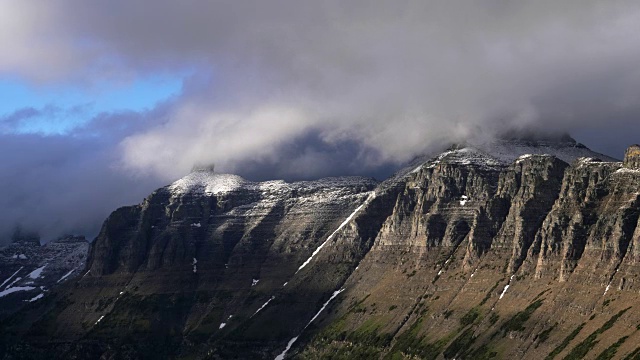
[102,102]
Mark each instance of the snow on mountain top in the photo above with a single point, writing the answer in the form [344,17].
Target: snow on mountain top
[628,171]
[507,151]
[499,153]
[209,183]
[467,156]
[490,154]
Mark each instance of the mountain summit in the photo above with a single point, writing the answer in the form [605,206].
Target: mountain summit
[510,248]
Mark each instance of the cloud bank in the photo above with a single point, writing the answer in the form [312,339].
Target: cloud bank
[301,89]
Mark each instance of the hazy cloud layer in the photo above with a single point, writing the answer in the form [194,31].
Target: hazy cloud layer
[59,185]
[301,89]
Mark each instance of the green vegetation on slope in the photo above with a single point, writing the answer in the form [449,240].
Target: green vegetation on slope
[580,350]
[565,342]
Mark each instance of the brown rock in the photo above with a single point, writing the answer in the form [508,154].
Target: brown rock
[632,157]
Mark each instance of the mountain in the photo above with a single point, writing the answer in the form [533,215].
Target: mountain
[29,270]
[523,248]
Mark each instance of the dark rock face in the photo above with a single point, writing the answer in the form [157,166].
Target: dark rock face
[29,271]
[222,221]
[632,157]
[481,252]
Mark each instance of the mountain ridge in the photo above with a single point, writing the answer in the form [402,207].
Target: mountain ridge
[473,240]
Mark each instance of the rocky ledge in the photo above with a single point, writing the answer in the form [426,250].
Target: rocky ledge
[514,249]
[29,270]
[632,157]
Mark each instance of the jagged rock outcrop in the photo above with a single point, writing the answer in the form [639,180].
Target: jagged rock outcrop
[632,157]
[29,270]
[511,249]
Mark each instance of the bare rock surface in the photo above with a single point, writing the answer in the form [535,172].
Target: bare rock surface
[29,271]
[632,157]
[526,249]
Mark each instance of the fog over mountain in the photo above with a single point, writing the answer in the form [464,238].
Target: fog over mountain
[297,90]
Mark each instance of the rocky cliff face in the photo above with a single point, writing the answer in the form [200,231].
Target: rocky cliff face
[510,249]
[29,271]
[632,157]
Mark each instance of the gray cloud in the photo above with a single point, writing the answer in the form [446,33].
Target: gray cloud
[19,115]
[300,89]
[58,185]
[394,77]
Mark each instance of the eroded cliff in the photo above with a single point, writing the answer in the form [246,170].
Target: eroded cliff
[511,250]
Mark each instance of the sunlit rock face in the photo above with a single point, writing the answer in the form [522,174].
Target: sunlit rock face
[510,249]
[632,157]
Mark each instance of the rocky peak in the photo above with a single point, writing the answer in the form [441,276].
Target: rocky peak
[537,137]
[492,249]
[632,157]
[21,236]
[71,239]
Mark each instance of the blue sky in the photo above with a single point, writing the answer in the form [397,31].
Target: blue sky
[62,108]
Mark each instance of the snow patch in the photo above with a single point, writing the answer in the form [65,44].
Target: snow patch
[628,171]
[195,267]
[504,291]
[333,296]
[15,281]
[101,317]
[284,353]
[207,182]
[37,272]
[222,325]
[263,306]
[197,225]
[15,289]
[37,297]
[292,341]
[442,269]
[463,200]
[66,275]
[372,195]
[254,282]
[11,277]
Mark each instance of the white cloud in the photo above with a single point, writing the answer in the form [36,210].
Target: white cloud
[290,88]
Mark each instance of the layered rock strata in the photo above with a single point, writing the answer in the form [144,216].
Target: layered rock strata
[481,252]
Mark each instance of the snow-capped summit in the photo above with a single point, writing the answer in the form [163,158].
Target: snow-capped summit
[207,182]
[565,148]
[504,151]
